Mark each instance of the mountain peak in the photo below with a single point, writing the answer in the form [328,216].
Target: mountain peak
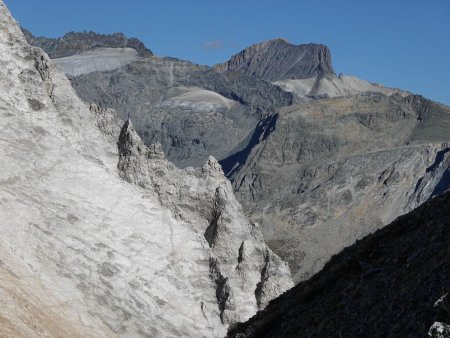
[278,59]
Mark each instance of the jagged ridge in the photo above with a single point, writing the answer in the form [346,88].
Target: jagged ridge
[236,245]
[77,42]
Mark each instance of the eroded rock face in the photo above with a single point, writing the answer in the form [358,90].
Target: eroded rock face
[277,59]
[83,253]
[382,286]
[240,262]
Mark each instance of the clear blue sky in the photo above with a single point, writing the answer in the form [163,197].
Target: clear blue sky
[404,44]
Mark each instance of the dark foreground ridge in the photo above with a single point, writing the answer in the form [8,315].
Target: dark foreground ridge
[74,43]
[383,286]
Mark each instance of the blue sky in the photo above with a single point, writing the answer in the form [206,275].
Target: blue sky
[399,43]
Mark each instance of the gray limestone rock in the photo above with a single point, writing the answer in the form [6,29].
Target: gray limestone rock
[77,42]
[205,196]
[86,252]
[108,121]
[277,59]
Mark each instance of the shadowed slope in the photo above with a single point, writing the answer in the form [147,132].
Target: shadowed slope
[382,286]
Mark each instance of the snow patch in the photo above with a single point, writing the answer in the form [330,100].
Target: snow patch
[97,60]
[196,98]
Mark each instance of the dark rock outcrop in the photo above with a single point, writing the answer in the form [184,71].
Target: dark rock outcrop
[277,59]
[382,286]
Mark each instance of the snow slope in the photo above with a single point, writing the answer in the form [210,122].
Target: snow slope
[97,60]
[332,86]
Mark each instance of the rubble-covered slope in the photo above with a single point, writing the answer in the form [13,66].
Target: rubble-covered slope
[393,283]
[84,252]
[320,174]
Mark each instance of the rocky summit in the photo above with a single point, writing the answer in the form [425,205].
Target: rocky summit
[393,283]
[101,235]
[278,59]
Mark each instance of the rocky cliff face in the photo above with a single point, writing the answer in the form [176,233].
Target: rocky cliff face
[95,239]
[277,59]
[321,174]
[205,197]
[78,42]
[383,286]
[304,70]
